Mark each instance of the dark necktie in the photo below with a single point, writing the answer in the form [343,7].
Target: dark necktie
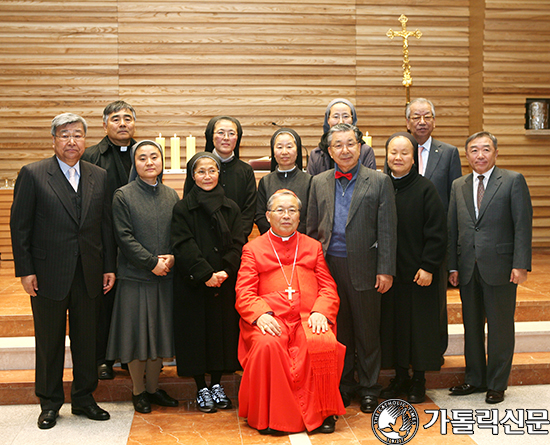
[339,174]
[480,191]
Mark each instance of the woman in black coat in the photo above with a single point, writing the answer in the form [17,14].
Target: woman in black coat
[410,311]
[223,138]
[207,239]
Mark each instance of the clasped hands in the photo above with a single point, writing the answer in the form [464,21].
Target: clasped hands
[164,264]
[217,279]
[268,324]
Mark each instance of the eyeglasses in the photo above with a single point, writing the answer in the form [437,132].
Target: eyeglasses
[211,172]
[65,137]
[279,211]
[427,118]
[229,134]
[340,146]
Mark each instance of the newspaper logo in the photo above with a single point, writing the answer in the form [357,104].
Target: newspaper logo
[395,422]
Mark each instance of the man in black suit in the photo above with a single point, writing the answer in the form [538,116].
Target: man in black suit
[113,154]
[440,163]
[490,233]
[64,252]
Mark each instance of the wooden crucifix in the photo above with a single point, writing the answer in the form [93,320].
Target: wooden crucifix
[407,79]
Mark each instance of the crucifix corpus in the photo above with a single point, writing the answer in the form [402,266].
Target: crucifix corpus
[407,79]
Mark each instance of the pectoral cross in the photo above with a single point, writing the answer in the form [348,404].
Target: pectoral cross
[290,291]
[407,79]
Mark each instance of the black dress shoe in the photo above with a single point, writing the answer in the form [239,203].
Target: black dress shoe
[465,389]
[397,387]
[141,403]
[159,397]
[369,404]
[92,412]
[105,372]
[271,432]
[417,391]
[494,396]
[328,426]
[346,398]
[46,419]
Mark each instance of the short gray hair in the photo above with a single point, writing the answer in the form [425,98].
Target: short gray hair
[115,107]
[282,193]
[481,134]
[418,100]
[67,118]
[340,128]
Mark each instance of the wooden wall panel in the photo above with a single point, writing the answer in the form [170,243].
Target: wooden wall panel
[439,66]
[55,56]
[182,62]
[516,65]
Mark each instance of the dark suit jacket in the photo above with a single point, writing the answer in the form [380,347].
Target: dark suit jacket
[47,236]
[500,238]
[443,168]
[370,228]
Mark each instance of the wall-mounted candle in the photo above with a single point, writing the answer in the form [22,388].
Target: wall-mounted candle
[189,147]
[175,153]
[367,139]
[162,142]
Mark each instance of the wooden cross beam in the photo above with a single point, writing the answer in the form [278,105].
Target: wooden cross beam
[407,79]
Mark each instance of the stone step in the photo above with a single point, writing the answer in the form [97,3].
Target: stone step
[531,336]
[534,336]
[530,306]
[17,386]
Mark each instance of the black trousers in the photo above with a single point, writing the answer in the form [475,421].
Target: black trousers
[50,318]
[498,304]
[359,330]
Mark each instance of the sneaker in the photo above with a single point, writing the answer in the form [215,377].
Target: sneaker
[220,399]
[205,402]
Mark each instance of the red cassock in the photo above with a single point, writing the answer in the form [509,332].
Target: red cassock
[290,383]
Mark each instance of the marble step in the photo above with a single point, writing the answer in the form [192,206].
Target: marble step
[17,386]
[531,336]
[18,352]
[530,307]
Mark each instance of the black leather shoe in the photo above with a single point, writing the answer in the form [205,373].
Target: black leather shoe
[494,396]
[465,389]
[46,419]
[271,432]
[397,387]
[417,391]
[346,398]
[141,403]
[159,397]
[105,372]
[328,426]
[92,412]
[369,404]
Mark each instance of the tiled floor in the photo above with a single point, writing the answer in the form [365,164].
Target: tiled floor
[186,425]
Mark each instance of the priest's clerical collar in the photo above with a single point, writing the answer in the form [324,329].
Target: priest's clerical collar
[123,148]
[283,238]
[224,160]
